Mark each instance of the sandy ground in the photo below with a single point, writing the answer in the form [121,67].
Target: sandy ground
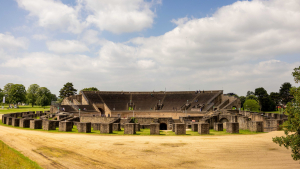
[56,150]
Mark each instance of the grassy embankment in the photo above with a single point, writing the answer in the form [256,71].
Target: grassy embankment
[10,158]
[143,132]
[23,109]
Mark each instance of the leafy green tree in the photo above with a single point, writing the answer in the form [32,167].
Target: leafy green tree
[1,94]
[6,91]
[251,105]
[17,93]
[249,93]
[285,92]
[296,74]
[32,93]
[90,89]
[67,90]
[275,97]
[242,99]
[292,125]
[252,97]
[264,100]
[44,97]
[53,97]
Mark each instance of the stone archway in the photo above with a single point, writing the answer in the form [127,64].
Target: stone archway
[163,126]
[224,120]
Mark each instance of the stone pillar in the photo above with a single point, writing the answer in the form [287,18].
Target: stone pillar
[25,123]
[106,128]
[116,127]
[96,126]
[36,124]
[4,118]
[137,126]
[49,125]
[218,126]
[173,127]
[9,120]
[129,128]
[65,126]
[232,127]
[154,129]
[15,122]
[256,126]
[195,127]
[180,129]
[84,127]
[203,128]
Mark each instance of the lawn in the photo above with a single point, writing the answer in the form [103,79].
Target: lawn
[10,158]
[23,109]
[143,132]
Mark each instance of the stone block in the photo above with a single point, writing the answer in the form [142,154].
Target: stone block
[15,122]
[83,127]
[4,118]
[256,126]
[116,127]
[49,125]
[9,120]
[232,127]
[96,126]
[137,127]
[129,128]
[106,128]
[36,124]
[65,126]
[218,126]
[173,127]
[195,127]
[25,123]
[180,129]
[154,129]
[203,128]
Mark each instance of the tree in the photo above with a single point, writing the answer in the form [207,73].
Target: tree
[17,93]
[249,93]
[32,93]
[252,97]
[90,89]
[285,92]
[6,91]
[67,90]
[296,74]
[292,125]
[265,102]
[242,99]
[252,105]
[44,97]
[1,93]
[53,97]
[275,97]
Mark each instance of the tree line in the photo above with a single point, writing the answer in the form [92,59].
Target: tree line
[36,95]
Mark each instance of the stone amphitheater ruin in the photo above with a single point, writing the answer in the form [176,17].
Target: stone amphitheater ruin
[109,111]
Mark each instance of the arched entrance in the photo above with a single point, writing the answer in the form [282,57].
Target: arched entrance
[224,120]
[163,126]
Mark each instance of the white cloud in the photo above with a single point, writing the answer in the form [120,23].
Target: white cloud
[54,15]
[180,21]
[39,37]
[9,42]
[67,46]
[90,37]
[120,16]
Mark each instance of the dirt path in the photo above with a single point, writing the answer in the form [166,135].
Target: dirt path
[55,150]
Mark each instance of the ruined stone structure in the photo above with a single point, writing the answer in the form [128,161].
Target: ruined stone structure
[65,126]
[84,127]
[96,126]
[180,129]
[203,128]
[129,128]
[154,129]
[195,127]
[232,127]
[218,126]
[49,125]
[106,128]
[116,127]
[15,122]
[36,124]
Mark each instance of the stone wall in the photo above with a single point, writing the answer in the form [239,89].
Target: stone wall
[180,129]
[154,129]
[129,128]
[97,119]
[84,127]
[256,126]
[203,128]
[232,127]
[36,124]
[106,128]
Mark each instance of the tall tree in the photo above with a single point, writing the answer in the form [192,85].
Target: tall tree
[249,93]
[53,97]
[296,74]
[44,97]
[6,91]
[263,98]
[32,93]
[275,97]
[67,90]
[292,125]
[17,93]
[251,105]
[242,99]
[253,97]
[90,89]
[285,92]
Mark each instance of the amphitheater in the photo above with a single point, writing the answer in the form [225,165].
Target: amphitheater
[131,112]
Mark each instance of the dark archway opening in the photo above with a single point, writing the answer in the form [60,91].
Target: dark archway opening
[224,121]
[163,126]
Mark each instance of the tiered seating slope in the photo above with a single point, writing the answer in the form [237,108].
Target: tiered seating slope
[118,101]
[177,100]
[146,101]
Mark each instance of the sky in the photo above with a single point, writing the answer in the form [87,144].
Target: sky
[146,45]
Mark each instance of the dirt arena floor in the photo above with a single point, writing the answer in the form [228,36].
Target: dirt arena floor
[56,150]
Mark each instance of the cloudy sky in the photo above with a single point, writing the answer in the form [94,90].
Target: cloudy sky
[145,45]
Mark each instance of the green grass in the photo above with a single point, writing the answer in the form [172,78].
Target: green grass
[11,158]
[23,109]
[276,112]
[143,132]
